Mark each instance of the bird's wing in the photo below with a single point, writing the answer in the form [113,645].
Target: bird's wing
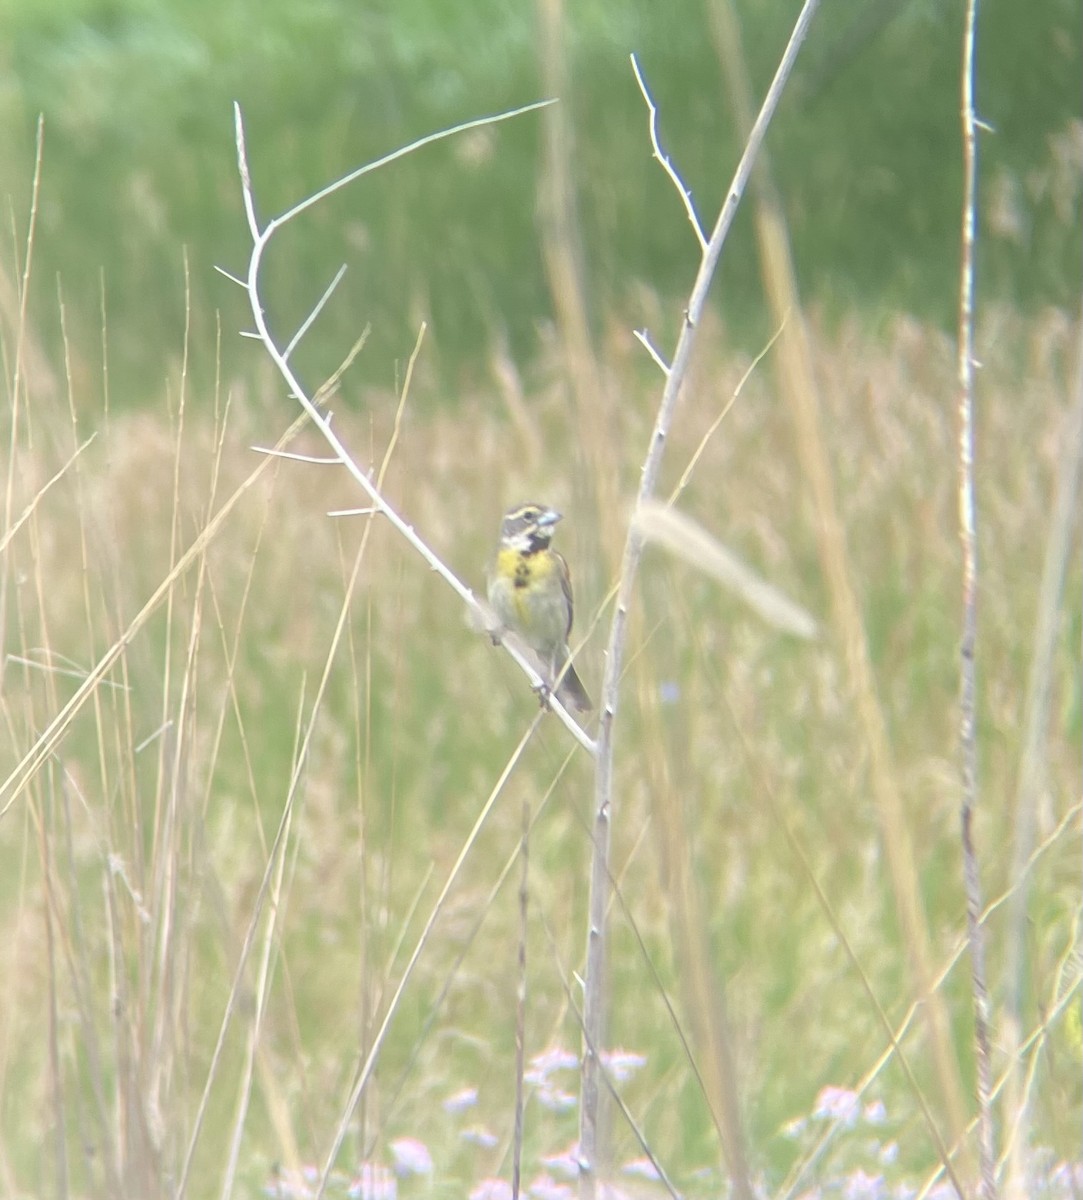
[566,584]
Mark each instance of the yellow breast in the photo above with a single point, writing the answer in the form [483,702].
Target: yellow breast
[513,575]
[527,595]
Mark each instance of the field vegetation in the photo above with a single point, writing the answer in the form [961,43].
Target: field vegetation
[244,743]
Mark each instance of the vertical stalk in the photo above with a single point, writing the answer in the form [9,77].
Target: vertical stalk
[595,997]
[968,533]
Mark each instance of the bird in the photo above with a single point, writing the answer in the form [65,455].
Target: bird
[530,592]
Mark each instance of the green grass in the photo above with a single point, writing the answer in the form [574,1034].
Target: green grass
[136,97]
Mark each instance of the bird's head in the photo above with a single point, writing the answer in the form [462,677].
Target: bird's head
[528,527]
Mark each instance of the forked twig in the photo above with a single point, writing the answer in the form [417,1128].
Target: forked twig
[260,240]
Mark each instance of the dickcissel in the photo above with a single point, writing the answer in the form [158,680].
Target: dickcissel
[530,590]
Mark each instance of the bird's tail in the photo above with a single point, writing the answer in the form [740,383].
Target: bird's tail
[571,692]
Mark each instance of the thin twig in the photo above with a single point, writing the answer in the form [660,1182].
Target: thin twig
[901,1030]
[306,324]
[318,460]
[594,996]
[14,527]
[644,340]
[664,159]
[230,276]
[968,664]
[402,152]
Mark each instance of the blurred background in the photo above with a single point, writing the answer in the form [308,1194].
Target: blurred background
[140,161]
[186,1000]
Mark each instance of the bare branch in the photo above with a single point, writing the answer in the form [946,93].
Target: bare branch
[594,996]
[316,460]
[644,338]
[231,277]
[246,175]
[353,512]
[260,240]
[306,324]
[664,159]
[439,136]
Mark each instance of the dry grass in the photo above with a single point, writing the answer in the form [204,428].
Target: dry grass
[148,913]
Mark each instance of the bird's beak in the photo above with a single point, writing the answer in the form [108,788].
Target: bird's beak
[550,517]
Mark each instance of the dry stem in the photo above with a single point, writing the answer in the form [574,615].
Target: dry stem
[968,746]
[594,988]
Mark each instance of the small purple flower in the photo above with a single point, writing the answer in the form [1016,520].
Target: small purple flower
[294,1185]
[554,1099]
[610,1191]
[1066,1176]
[546,1188]
[623,1064]
[492,1189]
[642,1167]
[565,1163]
[542,1065]
[373,1181]
[461,1100]
[837,1104]
[861,1186]
[479,1136]
[411,1157]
